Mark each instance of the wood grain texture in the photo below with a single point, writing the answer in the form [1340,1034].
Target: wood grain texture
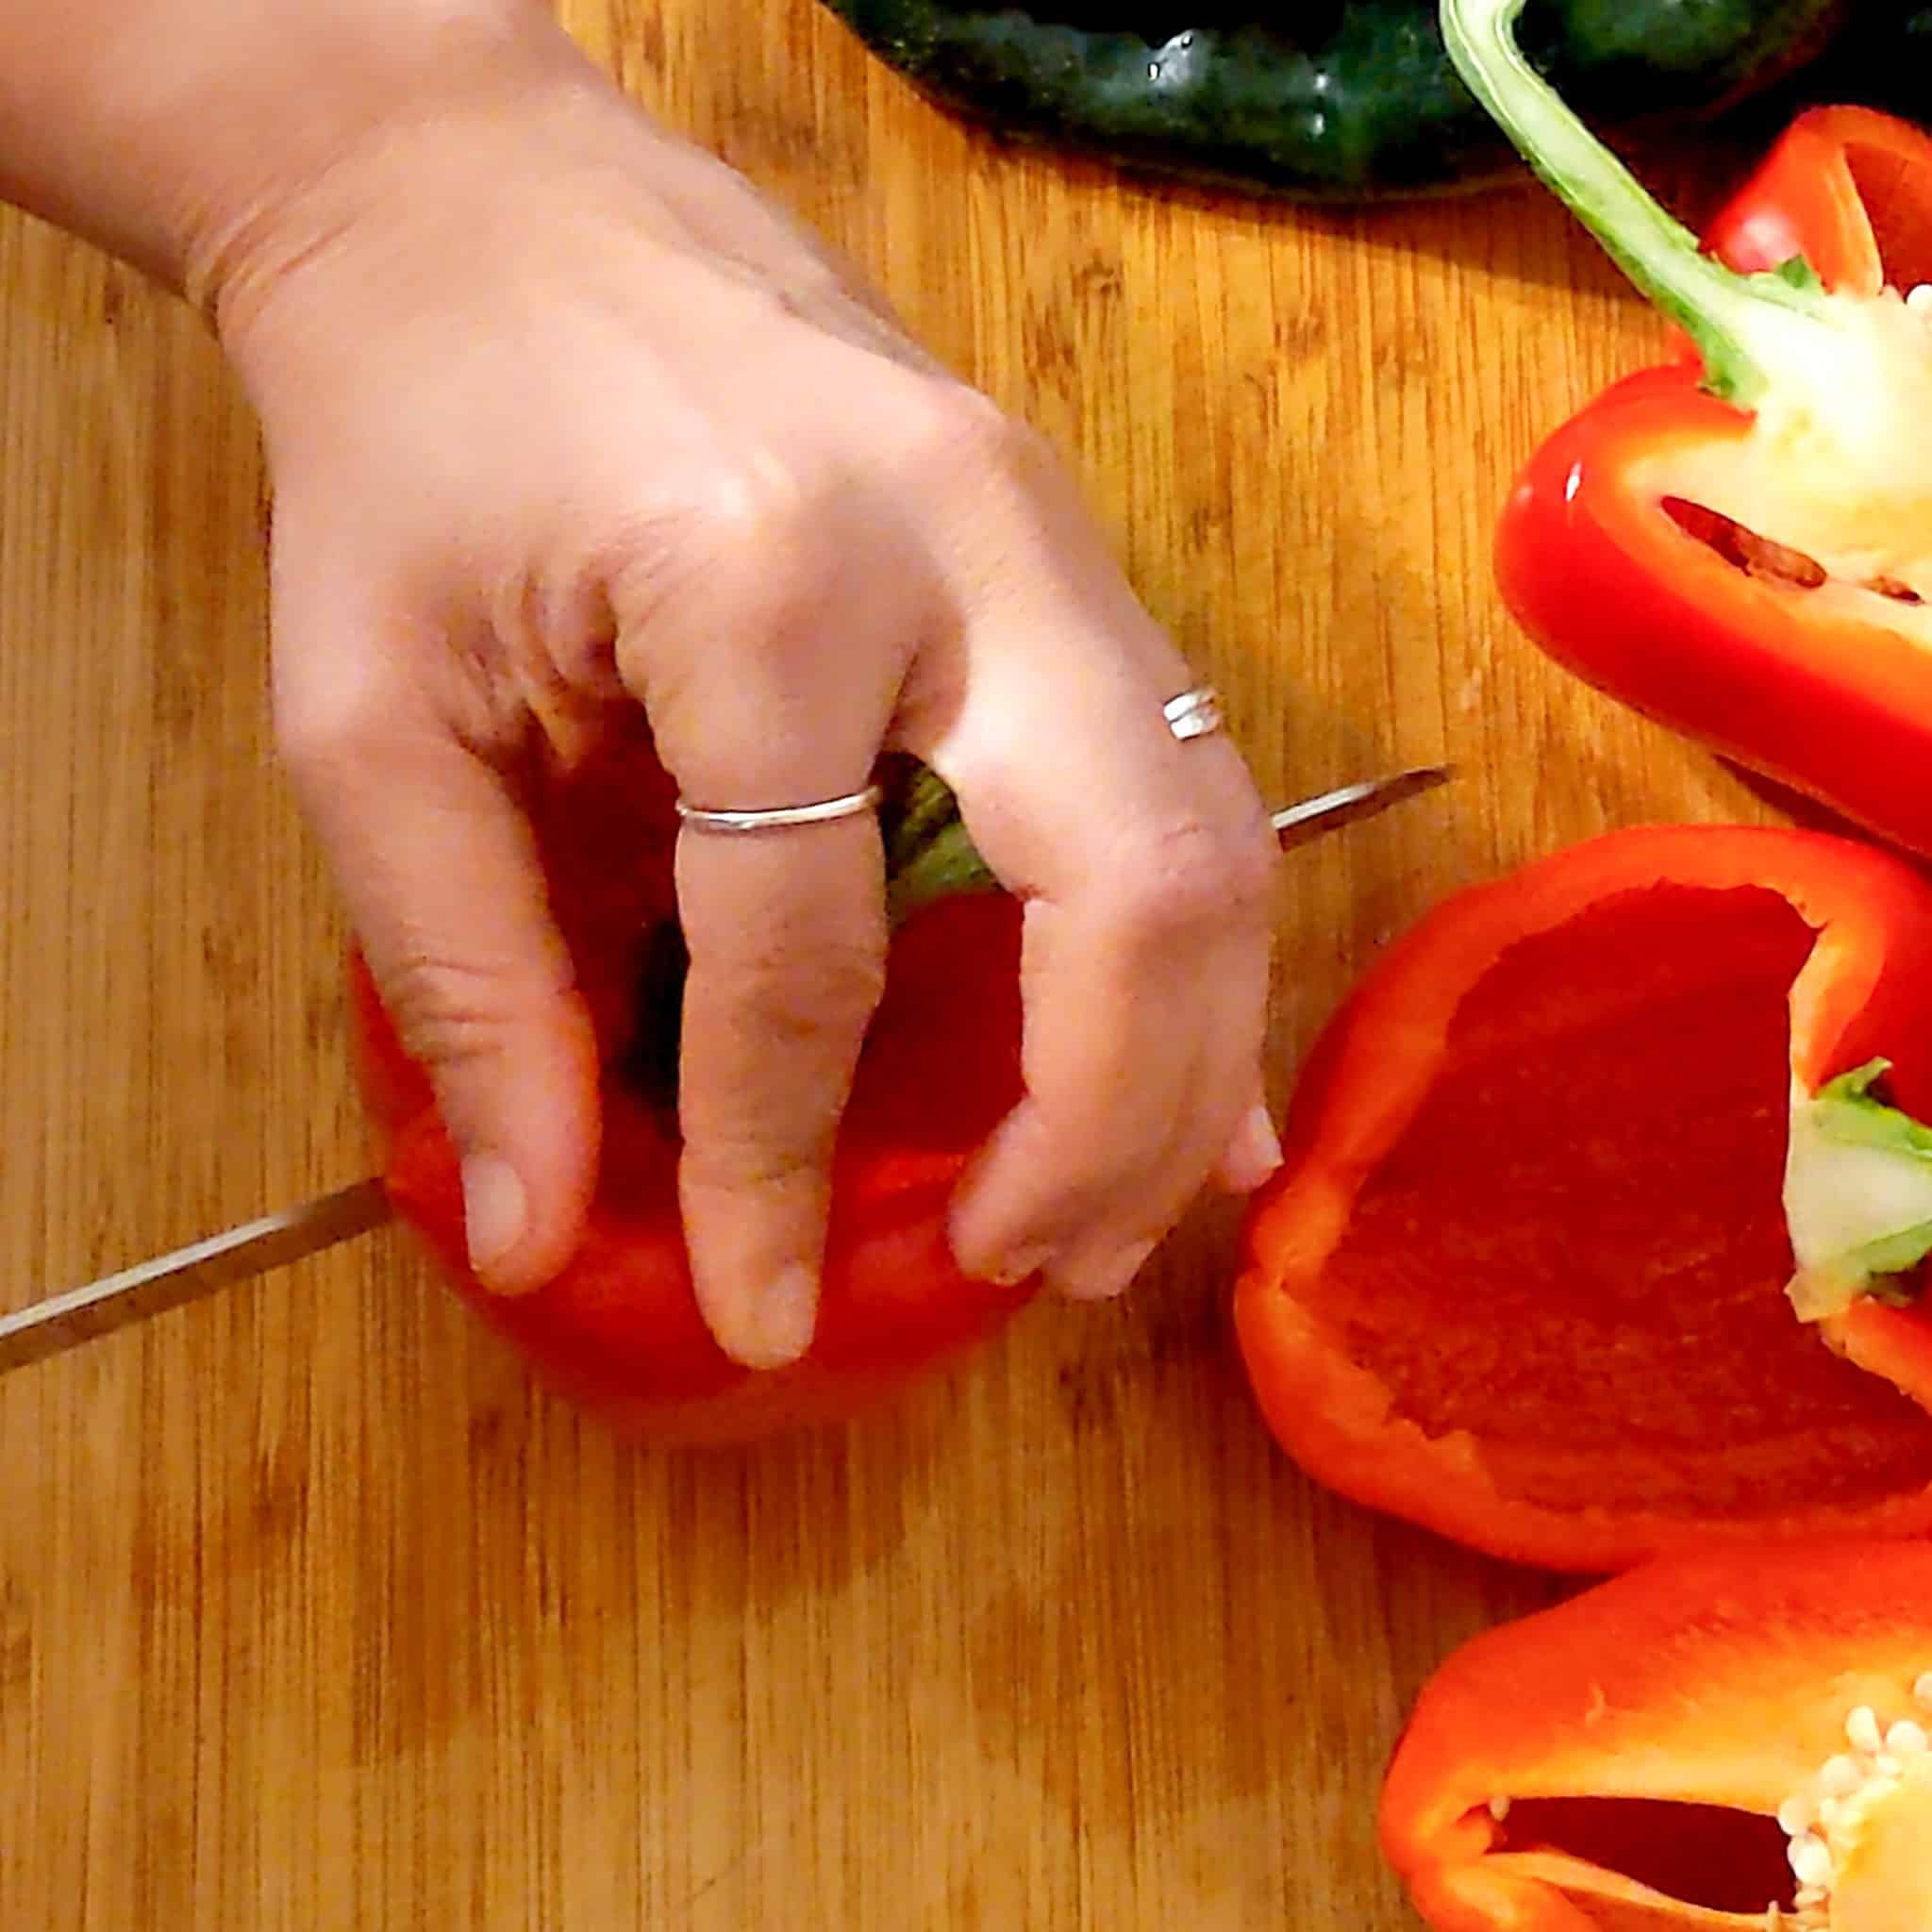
[312,1614]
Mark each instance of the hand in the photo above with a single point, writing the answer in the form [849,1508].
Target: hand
[562,417]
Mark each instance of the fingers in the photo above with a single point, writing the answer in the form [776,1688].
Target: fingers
[1145,1000]
[769,683]
[788,945]
[1147,866]
[1251,1155]
[444,890]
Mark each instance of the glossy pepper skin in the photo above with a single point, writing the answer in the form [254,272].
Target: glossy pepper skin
[1831,696]
[619,1330]
[1621,1760]
[1349,102]
[1521,1278]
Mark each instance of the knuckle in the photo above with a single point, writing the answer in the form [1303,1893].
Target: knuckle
[746,545]
[764,1156]
[787,1030]
[1186,876]
[1252,871]
[956,431]
[322,735]
[759,513]
[802,997]
[343,718]
[450,1015]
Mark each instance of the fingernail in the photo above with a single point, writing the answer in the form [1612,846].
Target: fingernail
[495,1211]
[1254,1152]
[784,1318]
[1103,1280]
[1017,1267]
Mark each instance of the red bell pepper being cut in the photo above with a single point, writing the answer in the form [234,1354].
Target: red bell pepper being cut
[1601,1228]
[620,1329]
[1730,1743]
[1739,543]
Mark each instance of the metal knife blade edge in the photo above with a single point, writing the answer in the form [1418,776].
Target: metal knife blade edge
[168,1281]
[60,1322]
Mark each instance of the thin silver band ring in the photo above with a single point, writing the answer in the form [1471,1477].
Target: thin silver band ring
[1194,712]
[1191,713]
[846,807]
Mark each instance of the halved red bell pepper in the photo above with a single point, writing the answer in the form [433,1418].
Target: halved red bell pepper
[1730,1743]
[1739,543]
[619,1329]
[1526,1276]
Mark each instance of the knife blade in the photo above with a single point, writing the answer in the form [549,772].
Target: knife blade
[170,1281]
[1315,818]
[60,1321]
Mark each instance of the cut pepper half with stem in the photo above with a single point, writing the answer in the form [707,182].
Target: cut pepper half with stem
[1724,1744]
[1526,1276]
[1739,543]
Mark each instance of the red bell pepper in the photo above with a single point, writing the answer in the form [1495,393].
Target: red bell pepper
[1730,1743]
[619,1329]
[1739,543]
[1527,1274]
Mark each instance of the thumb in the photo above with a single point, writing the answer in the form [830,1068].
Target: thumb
[444,885]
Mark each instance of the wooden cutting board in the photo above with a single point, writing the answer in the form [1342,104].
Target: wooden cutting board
[312,1614]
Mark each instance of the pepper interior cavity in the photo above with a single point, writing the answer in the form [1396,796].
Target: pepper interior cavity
[1849,1852]
[1595,1179]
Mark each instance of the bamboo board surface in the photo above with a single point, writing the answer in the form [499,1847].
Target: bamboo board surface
[313,1613]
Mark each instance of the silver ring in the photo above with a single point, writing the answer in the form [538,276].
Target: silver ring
[1194,713]
[849,805]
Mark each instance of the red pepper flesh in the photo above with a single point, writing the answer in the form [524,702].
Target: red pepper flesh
[1521,1278]
[1834,702]
[1621,1760]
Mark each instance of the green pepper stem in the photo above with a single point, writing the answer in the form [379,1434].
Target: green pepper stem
[928,857]
[929,853]
[1666,261]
